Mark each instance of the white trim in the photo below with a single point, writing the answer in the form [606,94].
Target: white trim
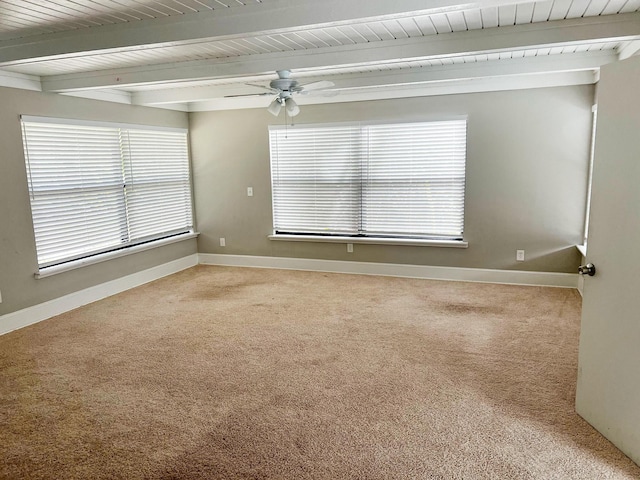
[451,87]
[398,78]
[20,80]
[106,95]
[581,285]
[91,123]
[178,107]
[509,277]
[605,28]
[102,257]
[629,50]
[37,313]
[417,242]
[274,16]
[427,118]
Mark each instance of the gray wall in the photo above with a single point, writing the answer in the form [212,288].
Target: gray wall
[526,178]
[18,262]
[526,181]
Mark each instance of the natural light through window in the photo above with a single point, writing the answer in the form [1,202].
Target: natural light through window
[404,180]
[98,187]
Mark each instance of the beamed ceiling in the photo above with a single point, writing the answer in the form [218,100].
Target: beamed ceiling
[192,54]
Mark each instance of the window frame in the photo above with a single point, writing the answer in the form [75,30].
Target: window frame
[455,241]
[128,244]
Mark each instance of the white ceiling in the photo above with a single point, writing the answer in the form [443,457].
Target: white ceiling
[190,54]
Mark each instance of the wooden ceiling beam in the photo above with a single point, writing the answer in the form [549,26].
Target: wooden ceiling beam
[622,27]
[274,16]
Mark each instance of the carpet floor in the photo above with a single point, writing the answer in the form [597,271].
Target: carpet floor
[238,373]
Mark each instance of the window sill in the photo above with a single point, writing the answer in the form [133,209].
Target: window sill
[83,262]
[371,240]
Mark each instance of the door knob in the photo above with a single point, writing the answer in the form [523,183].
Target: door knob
[588,269]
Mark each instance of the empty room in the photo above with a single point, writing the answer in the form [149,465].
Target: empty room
[340,239]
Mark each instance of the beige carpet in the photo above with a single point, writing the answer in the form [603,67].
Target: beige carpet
[264,374]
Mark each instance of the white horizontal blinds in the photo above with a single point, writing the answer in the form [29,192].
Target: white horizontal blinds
[75,185]
[316,179]
[158,192]
[101,187]
[414,179]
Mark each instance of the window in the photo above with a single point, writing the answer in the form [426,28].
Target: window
[395,181]
[99,187]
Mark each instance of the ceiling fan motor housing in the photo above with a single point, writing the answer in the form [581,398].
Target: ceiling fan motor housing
[285,87]
[285,84]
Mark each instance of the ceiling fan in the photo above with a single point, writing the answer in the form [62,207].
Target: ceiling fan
[285,87]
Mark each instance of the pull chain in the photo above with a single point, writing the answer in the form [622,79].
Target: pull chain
[285,123]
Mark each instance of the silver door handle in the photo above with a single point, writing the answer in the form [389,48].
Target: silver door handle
[588,269]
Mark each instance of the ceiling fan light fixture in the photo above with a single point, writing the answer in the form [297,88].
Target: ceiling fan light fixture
[292,107]
[274,108]
[285,87]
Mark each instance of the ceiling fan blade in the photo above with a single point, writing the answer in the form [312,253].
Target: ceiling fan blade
[249,95]
[317,85]
[264,87]
[321,93]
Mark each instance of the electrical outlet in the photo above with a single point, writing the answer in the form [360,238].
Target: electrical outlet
[519,255]
[223,242]
[349,247]
[249,191]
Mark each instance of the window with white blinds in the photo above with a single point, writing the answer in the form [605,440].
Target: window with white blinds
[399,180]
[98,187]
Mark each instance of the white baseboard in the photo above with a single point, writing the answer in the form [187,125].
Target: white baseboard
[510,277]
[580,285]
[37,313]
